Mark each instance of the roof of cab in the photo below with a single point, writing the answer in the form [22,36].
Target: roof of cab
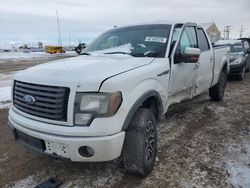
[155,22]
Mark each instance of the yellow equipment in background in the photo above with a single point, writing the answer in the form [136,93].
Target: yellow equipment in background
[54,49]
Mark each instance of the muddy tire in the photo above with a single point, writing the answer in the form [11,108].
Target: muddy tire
[216,92]
[140,145]
[240,77]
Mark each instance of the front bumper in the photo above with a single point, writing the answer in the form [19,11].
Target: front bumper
[105,148]
[236,69]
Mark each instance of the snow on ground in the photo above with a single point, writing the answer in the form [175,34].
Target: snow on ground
[5,89]
[106,178]
[238,165]
[30,181]
[5,97]
[6,79]
[31,55]
[25,182]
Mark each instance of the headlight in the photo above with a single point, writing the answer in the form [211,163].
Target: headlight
[91,105]
[236,62]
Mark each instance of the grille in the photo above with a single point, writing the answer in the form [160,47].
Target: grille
[50,102]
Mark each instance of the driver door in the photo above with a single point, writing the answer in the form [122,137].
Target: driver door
[183,79]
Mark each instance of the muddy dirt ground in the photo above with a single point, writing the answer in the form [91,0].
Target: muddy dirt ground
[200,144]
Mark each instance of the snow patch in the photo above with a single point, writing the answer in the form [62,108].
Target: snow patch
[31,55]
[106,178]
[126,48]
[5,97]
[238,165]
[27,182]
[6,78]
[4,157]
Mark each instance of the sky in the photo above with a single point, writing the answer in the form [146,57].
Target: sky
[30,21]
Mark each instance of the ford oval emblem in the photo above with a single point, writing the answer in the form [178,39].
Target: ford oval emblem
[29,99]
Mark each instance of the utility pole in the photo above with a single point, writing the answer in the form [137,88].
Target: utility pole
[226,32]
[59,31]
[69,39]
[241,31]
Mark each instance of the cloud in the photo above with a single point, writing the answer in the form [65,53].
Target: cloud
[30,20]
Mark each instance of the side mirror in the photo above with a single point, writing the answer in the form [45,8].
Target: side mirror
[190,55]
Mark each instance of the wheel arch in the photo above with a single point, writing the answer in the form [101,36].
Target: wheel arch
[151,100]
[224,67]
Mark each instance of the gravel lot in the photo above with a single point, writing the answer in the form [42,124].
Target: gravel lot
[201,144]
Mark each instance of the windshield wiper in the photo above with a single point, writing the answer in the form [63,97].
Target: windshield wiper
[147,54]
[152,54]
[118,53]
[84,53]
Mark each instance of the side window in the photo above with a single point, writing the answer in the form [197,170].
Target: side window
[176,33]
[188,39]
[203,42]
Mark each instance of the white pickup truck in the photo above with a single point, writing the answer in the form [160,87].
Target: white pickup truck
[105,103]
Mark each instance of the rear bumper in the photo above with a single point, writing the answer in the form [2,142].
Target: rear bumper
[105,148]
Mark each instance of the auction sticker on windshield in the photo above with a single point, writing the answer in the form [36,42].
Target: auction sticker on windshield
[156,39]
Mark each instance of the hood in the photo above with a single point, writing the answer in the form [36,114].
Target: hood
[86,71]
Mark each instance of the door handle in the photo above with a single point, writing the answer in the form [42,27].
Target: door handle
[163,73]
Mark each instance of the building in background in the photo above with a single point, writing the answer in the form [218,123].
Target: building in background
[212,30]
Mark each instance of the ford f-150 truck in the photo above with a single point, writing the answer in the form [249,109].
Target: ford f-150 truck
[105,103]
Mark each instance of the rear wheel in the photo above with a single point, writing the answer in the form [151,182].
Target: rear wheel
[216,92]
[140,146]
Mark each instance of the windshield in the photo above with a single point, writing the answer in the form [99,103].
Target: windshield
[138,41]
[234,48]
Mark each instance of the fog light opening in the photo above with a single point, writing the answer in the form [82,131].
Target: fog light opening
[86,151]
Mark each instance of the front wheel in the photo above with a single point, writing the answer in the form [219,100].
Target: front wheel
[216,92]
[242,74]
[140,145]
